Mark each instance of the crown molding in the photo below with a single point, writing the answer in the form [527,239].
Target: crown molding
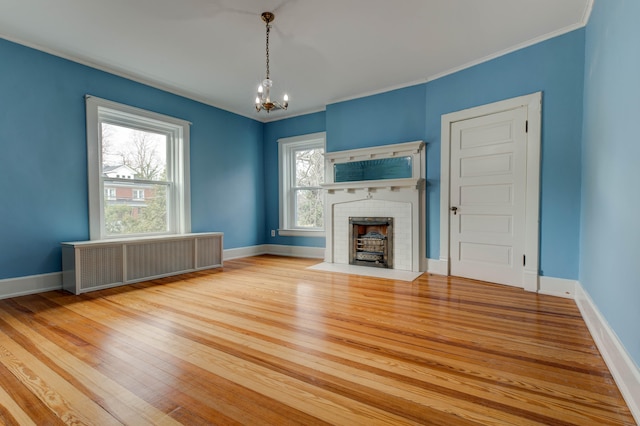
[509,50]
[195,97]
[119,73]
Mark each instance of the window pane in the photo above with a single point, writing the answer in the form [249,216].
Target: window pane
[309,208]
[137,210]
[309,167]
[133,153]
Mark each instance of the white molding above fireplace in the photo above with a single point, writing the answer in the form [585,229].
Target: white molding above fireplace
[385,151]
[403,199]
[374,185]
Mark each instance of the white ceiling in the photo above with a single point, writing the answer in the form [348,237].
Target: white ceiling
[321,51]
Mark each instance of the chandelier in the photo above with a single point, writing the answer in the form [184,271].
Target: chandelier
[263,99]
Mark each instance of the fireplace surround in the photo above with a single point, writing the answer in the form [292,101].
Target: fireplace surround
[401,199]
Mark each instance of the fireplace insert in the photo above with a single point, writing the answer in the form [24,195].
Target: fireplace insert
[371,241]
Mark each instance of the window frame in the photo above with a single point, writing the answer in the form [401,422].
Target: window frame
[110,193]
[177,131]
[286,179]
[135,194]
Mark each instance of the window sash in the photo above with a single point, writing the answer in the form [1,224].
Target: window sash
[131,182]
[177,185]
[288,148]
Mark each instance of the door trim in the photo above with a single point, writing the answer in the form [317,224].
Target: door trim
[533,102]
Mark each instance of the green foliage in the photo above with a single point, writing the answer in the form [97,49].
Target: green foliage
[143,152]
[122,219]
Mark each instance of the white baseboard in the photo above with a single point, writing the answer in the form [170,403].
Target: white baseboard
[625,372]
[276,249]
[14,287]
[21,286]
[438,266]
[547,285]
[559,287]
[237,253]
[297,251]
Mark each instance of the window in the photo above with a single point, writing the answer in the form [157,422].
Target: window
[144,158]
[301,163]
[110,193]
[138,194]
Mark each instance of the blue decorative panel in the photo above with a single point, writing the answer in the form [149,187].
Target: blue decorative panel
[385,168]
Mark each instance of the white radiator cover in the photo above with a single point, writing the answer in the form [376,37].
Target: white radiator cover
[95,265]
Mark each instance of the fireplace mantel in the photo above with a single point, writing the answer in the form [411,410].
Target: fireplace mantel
[401,198]
[372,185]
[385,151]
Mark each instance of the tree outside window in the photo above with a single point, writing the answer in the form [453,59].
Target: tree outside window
[140,158]
[309,205]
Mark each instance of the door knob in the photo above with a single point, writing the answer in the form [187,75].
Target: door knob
[454,209]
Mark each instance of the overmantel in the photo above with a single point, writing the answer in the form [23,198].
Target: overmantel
[413,150]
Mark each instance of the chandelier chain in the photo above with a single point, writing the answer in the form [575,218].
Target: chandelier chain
[268,30]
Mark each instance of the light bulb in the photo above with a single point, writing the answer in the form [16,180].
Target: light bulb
[286,98]
[260,89]
[257,100]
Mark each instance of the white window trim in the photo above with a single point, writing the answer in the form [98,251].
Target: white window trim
[138,192]
[179,218]
[108,193]
[285,147]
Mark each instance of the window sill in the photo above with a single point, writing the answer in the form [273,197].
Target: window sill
[300,233]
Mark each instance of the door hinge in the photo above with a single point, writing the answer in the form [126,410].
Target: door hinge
[526,126]
[524,260]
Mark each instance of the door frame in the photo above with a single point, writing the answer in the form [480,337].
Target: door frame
[533,103]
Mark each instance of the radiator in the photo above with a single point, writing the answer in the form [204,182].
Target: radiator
[95,265]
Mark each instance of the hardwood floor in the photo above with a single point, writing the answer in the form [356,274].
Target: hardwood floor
[266,341]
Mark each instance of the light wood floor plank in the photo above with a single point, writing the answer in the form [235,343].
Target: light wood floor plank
[359,372]
[125,406]
[66,402]
[267,341]
[313,346]
[11,413]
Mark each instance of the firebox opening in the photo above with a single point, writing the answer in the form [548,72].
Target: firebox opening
[371,241]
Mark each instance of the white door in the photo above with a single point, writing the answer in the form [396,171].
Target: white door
[488,183]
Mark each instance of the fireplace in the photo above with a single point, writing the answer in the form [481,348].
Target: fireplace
[371,241]
[379,197]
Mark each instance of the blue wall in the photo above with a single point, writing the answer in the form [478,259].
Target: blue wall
[610,236]
[554,67]
[43,161]
[383,119]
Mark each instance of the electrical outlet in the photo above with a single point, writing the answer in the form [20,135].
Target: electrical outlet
[273,232]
